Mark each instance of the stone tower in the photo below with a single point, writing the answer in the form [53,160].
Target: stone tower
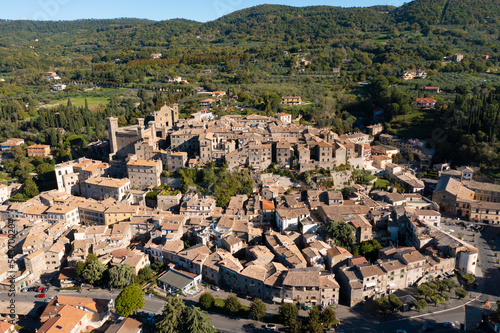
[112,127]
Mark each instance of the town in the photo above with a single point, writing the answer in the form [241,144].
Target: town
[297,235]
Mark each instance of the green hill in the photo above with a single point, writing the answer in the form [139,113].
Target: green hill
[449,12]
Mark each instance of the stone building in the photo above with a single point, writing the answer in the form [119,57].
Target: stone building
[101,188]
[122,140]
[143,174]
[308,287]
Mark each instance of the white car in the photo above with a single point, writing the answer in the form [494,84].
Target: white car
[271,327]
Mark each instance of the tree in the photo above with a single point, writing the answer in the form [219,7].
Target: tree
[121,276]
[206,300]
[314,314]
[288,312]
[437,299]
[258,309]
[130,300]
[341,232]
[171,318]
[145,274]
[347,192]
[196,321]
[44,168]
[30,188]
[383,304]
[328,318]
[232,304]
[17,152]
[425,290]
[420,305]
[294,326]
[468,278]
[93,271]
[461,293]
[79,268]
[314,327]
[450,284]
[395,302]
[91,257]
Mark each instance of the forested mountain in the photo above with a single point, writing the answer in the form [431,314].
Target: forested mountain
[461,12]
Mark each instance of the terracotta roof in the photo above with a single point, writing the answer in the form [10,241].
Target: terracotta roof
[266,204]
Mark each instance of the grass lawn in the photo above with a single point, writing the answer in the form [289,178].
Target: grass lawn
[4,178]
[219,302]
[418,124]
[381,183]
[93,102]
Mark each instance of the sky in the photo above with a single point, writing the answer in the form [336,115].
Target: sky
[198,10]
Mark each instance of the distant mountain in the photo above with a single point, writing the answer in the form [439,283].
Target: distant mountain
[67,26]
[467,12]
[313,21]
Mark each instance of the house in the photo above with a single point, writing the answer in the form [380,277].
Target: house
[101,188]
[375,129]
[125,325]
[38,150]
[7,145]
[291,100]
[450,194]
[486,212]
[232,244]
[4,193]
[308,287]
[7,327]
[218,93]
[426,103]
[67,277]
[335,257]
[457,57]
[49,76]
[290,218]
[69,319]
[95,309]
[207,103]
[178,280]
[431,89]
[284,117]
[59,87]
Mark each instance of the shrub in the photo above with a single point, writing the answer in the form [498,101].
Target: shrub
[206,300]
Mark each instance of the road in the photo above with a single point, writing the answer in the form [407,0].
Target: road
[152,305]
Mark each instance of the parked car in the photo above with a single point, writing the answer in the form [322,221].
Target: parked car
[215,288]
[307,307]
[40,296]
[270,327]
[448,324]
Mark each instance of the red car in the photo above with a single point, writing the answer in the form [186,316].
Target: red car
[40,289]
[41,296]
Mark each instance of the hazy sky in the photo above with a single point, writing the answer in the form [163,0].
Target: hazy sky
[198,10]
